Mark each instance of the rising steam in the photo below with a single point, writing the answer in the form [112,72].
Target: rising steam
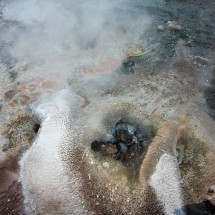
[67,36]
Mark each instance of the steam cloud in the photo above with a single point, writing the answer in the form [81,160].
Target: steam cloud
[77,33]
[67,37]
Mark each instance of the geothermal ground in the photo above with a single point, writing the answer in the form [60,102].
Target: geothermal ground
[105,107]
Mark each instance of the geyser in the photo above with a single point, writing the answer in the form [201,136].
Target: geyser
[124,142]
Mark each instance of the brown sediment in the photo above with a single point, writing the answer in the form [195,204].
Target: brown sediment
[151,204]
[163,141]
[96,198]
[6,179]
[11,200]
[192,166]
[109,186]
[9,95]
[20,132]
[109,192]
[103,193]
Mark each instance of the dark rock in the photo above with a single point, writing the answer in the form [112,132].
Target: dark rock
[9,95]
[13,75]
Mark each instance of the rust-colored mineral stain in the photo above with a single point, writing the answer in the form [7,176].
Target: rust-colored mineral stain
[164,130]
[49,85]
[23,88]
[105,65]
[164,134]
[108,64]
[13,104]
[31,87]
[129,53]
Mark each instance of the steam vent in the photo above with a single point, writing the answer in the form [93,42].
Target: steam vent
[107,107]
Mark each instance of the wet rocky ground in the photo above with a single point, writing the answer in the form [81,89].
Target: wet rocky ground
[169,74]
